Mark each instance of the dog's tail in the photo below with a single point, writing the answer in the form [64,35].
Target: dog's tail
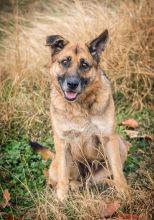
[43,151]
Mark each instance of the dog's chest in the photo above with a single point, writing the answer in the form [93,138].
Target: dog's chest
[85,136]
[93,124]
[85,126]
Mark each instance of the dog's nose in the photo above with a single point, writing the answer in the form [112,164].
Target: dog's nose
[72,83]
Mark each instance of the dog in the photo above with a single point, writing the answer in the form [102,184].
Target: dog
[83,117]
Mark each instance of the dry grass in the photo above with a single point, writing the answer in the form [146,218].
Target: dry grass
[24,79]
[86,205]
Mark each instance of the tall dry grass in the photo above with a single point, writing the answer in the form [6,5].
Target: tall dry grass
[24,59]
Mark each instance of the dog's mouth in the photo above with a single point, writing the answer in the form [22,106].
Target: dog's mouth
[70,95]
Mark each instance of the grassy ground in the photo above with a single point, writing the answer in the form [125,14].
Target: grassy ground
[22,173]
[24,99]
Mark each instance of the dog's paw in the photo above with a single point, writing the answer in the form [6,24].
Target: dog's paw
[61,195]
[75,185]
[122,188]
[51,183]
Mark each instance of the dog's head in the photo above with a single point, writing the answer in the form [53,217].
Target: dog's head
[74,65]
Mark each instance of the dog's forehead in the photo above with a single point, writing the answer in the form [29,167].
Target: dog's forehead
[78,49]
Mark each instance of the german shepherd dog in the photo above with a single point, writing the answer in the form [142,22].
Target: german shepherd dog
[83,117]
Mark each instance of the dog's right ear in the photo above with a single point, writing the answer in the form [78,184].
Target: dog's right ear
[56,42]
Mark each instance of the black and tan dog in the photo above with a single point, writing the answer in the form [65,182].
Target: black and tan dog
[83,116]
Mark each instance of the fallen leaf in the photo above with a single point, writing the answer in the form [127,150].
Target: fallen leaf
[135,134]
[10,217]
[147,137]
[126,216]
[112,218]
[45,173]
[143,216]
[6,198]
[130,123]
[108,209]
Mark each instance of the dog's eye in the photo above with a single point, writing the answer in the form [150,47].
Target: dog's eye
[66,62]
[84,65]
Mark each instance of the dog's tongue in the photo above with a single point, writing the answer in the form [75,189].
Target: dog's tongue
[70,95]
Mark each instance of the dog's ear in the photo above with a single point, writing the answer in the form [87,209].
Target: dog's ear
[56,42]
[97,46]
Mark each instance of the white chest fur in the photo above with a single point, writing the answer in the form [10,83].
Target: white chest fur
[94,125]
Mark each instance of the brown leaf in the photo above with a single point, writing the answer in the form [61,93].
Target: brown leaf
[45,173]
[108,209]
[6,198]
[10,217]
[147,137]
[111,218]
[126,216]
[130,123]
[135,134]
[143,216]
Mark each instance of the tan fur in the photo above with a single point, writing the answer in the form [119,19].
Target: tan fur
[46,154]
[78,126]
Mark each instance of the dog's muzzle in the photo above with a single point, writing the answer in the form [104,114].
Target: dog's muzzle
[71,86]
[71,91]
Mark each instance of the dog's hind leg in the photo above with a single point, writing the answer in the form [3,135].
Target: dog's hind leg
[74,175]
[114,151]
[99,176]
[103,173]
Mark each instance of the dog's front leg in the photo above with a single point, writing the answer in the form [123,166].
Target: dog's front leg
[113,154]
[61,157]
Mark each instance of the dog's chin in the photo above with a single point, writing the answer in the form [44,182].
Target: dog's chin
[70,95]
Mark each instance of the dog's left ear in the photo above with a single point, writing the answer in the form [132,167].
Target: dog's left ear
[97,46]
[56,42]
